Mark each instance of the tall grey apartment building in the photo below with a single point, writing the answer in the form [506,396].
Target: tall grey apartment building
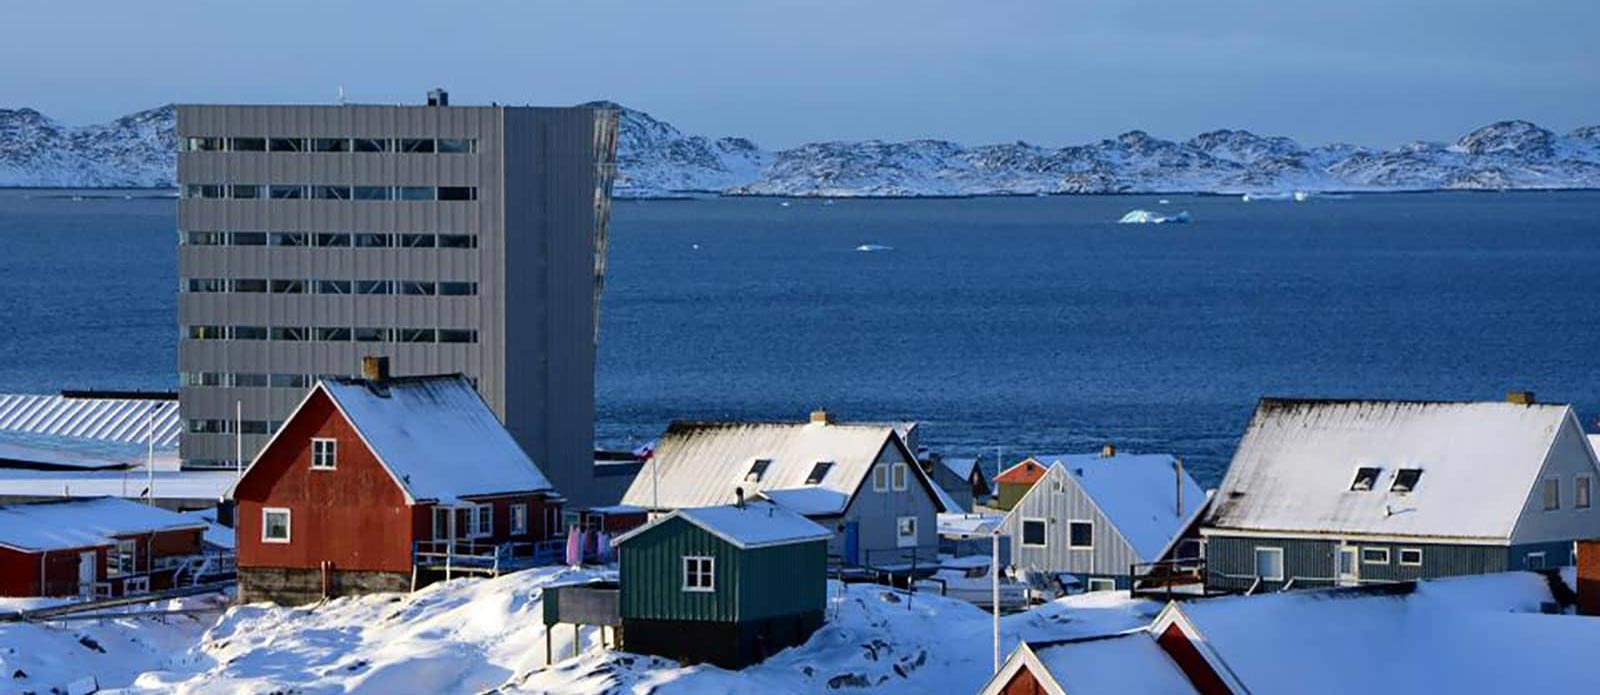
[448,238]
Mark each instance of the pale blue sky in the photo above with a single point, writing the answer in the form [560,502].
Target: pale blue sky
[1057,72]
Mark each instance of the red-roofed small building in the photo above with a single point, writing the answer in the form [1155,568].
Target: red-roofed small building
[382,484]
[1014,482]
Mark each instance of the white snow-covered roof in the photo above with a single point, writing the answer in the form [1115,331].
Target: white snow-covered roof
[169,484]
[1138,493]
[1294,468]
[216,534]
[962,467]
[704,464]
[1464,634]
[83,523]
[754,525]
[811,500]
[1127,663]
[124,420]
[968,524]
[434,434]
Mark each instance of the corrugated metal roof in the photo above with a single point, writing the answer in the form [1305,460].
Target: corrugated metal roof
[1295,465]
[83,523]
[700,464]
[754,525]
[119,420]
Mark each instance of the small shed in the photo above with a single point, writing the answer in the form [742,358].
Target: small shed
[1016,481]
[728,585]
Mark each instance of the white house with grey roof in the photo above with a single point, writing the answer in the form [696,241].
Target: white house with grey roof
[1095,516]
[860,481]
[1342,492]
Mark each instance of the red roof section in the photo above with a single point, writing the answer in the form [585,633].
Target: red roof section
[1028,472]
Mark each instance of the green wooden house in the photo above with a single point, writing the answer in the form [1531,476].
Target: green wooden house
[728,585]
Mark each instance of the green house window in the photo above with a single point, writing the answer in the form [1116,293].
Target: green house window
[699,573]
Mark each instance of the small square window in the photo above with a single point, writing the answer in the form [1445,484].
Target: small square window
[333,287]
[372,287]
[371,335]
[1374,556]
[416,193]
[286,145]
[373,193]
[416,145]
[458,289]
[458,241]
[457,146]
[699,573]
[324,454]
[290,239]
[1269,564]
[416,335]
[274,525]
[1080,534]
[288,286]
[1033,533]
[286,192]
[453,335]
[1411,557]
[330,192]
[417,241]
[458,193]
[1366,478]
[1534,561]
[249,239]
[419,288]
[371,145]
[330,144]
[247,144]
[1102,584]
[334,334]
[334,240]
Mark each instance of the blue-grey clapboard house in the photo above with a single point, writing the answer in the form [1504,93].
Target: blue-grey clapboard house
[962,480]
[1344,492]
[1095,516]
[859,480]
[729,585]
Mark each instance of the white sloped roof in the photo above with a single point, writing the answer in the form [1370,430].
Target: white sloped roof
[755,525]
[434,434]
[122,420]
[1294,467]
[1138,493]
[83,523]
[1458,635]
[703,464]
[962,467]
[1127,663]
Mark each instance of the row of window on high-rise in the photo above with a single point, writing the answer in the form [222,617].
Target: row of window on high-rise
[330,145]
[360,240]
[221,426]
[291,191]
[332,334]
[414,288]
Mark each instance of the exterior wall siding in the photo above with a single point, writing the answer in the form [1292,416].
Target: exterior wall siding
[878,515]
[1569,458]
[783,580]
[541,195]
[1230,561]
[1059,500]
[652,575]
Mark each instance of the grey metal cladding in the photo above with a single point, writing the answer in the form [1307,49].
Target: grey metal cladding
[1059,502]
[533,221]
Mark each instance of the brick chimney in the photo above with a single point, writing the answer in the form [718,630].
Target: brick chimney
[375,368]
[1520,397]
[1589,576]
[821,417]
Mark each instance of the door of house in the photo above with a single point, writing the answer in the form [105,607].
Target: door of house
[1349,566]
[86,573]
[852,543]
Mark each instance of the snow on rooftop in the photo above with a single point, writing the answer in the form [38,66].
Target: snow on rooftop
[968,524]
[82,523]
[704,464]
[169,484]
[1467,634]
[124,420]
[1294,467]
[754,525]
[1128,663]
[811,501]
[962,467]
[216,534]
[1138,493]
[437,436]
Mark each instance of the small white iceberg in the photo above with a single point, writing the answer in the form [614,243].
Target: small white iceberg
[870,248]
[1148,217]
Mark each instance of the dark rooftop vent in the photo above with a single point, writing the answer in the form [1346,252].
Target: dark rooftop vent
[438,97]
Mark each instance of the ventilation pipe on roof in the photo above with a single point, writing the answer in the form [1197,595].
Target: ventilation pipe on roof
[1520,397]
[375,368]
[1108,451]
[738,497]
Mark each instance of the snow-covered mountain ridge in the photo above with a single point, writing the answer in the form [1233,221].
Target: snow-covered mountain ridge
[656,159]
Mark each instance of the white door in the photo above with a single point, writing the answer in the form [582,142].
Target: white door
[1349,566]
[86,574]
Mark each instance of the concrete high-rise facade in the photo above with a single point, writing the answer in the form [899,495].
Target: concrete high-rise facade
[446,238]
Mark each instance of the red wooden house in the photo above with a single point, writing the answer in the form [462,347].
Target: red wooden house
[379,484]
[103,546]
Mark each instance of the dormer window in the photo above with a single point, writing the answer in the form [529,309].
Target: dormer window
[818,472]
[1405,480]
[1366,478]
[757,470]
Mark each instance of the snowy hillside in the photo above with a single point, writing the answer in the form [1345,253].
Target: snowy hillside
[475,635]
[654,158]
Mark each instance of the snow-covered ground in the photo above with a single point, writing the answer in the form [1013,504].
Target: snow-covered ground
[39,657]
[472,635]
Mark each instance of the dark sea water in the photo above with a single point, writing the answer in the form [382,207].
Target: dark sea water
[1032,324]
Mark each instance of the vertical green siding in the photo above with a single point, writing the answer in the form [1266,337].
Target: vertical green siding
[652,575]
[783,580]
[1230,561]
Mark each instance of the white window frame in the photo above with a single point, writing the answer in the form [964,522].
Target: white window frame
[288,525]
[1370,549]
[317,454]
[1102,582]
[1403,562]
[1584,482]
[1090,546]
[1023,532]
[706,567]
[124,547]
[1527,561]
[1544,493]
[902,539]
[880,477]
[1256,558]
[519,519]
[900,475]
[479,525]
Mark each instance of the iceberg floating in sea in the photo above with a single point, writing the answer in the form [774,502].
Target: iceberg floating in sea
[1147,217]
[868,248]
